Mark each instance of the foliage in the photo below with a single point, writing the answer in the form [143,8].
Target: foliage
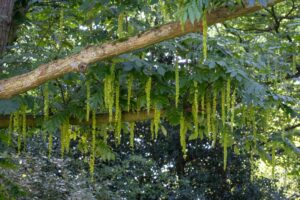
[237,87]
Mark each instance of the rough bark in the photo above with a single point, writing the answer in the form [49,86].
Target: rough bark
[6,13]
[78,62]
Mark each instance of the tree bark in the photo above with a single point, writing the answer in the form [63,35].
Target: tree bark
[78,62]
[6,13]
[37,121]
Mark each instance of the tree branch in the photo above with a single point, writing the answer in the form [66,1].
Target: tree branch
[37,121]
[78,62]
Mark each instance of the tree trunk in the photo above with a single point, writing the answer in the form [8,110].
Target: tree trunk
[6,13]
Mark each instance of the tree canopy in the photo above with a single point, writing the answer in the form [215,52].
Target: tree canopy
[87,72]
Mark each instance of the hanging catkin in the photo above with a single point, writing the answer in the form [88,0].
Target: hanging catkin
[156,120]
[213,117]
[225,148]
[68,134]
[117,100]
[176,83]
[109,91]
[118,128]
[129,90]
[208,115]
[223,111]
[50,144]
[120,30]
[228,102]
[24,133]
[195,109]
[204,25]
[88,95]
[65,137]
[131,127]
[148,93]
[183,130]
[62,140]
[232,109]
[93,146]
[202,113]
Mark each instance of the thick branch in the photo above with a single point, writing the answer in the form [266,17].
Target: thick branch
[32,121]
[18,84]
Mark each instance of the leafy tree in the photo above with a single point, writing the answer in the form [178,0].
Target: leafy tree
[235,86]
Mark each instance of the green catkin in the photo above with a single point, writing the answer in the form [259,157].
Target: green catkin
[117,100]
[156,120]
[152,129]
[50,144]
[232,109]
[111,99]
[88,95]
[129,90]
[131,127]
[183,130]
[109,92]
[202,113]
[223,107]
[120,30]
[10,128]
[65,133]
[46,101]
[118,113]
[62,140]
[213,117]
[228,102]
[148,93]
[273,160]
[204,25]
[225,149]
[164,9]
[68,134]
[24,133]
[93,146]
[118,128]
[208,115]
[176,83]
[195,109]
